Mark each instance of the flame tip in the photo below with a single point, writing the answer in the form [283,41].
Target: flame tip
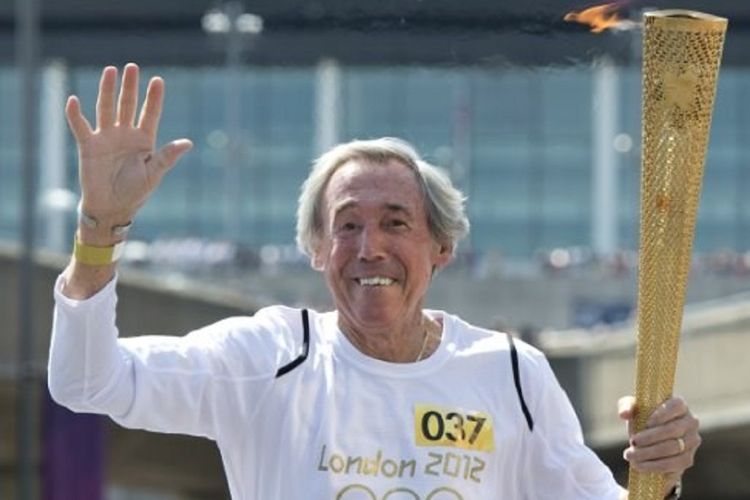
[599,17]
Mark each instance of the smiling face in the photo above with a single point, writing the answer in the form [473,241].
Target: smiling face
[377,252]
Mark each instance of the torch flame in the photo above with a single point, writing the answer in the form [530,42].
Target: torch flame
[599,17]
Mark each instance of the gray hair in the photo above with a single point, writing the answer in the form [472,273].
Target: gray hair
[446,216]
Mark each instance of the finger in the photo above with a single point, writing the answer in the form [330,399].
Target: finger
[674,465]
[128,95]
[78,123]
[151,111]
[671,430]
[105,102]
[669,410]
[168,155]
[663,449]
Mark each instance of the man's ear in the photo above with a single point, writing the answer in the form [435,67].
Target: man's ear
[317,260]
[316,263]
[444,255]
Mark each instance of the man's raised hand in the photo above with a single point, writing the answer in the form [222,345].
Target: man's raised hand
[118,164]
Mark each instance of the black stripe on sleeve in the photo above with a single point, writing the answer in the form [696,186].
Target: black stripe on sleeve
[517,380]
[305,348]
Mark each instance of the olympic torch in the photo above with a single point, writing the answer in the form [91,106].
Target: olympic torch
[681,58]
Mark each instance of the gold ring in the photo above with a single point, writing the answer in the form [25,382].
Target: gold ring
[681,442]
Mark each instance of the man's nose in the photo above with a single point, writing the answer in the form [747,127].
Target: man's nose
[371,244]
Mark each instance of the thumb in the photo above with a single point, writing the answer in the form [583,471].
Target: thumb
[167,156]
[625,409]
[625,406]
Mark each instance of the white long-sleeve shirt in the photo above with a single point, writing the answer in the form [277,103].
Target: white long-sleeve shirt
[340,425]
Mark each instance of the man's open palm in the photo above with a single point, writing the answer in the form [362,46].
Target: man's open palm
[118,167]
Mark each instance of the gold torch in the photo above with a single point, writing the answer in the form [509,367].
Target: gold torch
[681,57]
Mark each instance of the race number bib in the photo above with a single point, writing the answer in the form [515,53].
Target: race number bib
[458,428]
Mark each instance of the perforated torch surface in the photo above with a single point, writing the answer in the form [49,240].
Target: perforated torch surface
[681,57]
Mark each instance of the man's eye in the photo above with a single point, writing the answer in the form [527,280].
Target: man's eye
[398,223]
[347,226]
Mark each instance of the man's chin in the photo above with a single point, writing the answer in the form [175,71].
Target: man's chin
[373,318]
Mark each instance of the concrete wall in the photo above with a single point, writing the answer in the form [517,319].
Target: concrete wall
[713,375]
[147,304]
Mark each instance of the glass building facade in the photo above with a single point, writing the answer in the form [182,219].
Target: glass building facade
[518,141]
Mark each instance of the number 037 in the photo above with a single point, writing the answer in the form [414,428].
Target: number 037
[470,430]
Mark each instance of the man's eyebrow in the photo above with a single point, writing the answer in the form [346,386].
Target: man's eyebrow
[391,207]
[344,205]
[397,207]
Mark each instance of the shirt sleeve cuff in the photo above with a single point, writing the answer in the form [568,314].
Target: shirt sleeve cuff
[106,294]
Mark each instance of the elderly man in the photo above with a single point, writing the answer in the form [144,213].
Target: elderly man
[378,399]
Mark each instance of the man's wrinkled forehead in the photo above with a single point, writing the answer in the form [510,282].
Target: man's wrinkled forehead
[355,169]
[356,176]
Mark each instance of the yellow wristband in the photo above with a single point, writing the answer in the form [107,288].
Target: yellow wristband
[96,256]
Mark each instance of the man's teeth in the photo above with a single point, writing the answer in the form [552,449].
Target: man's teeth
[375,281]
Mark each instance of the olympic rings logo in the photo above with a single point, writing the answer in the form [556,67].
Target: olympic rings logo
[356,492]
